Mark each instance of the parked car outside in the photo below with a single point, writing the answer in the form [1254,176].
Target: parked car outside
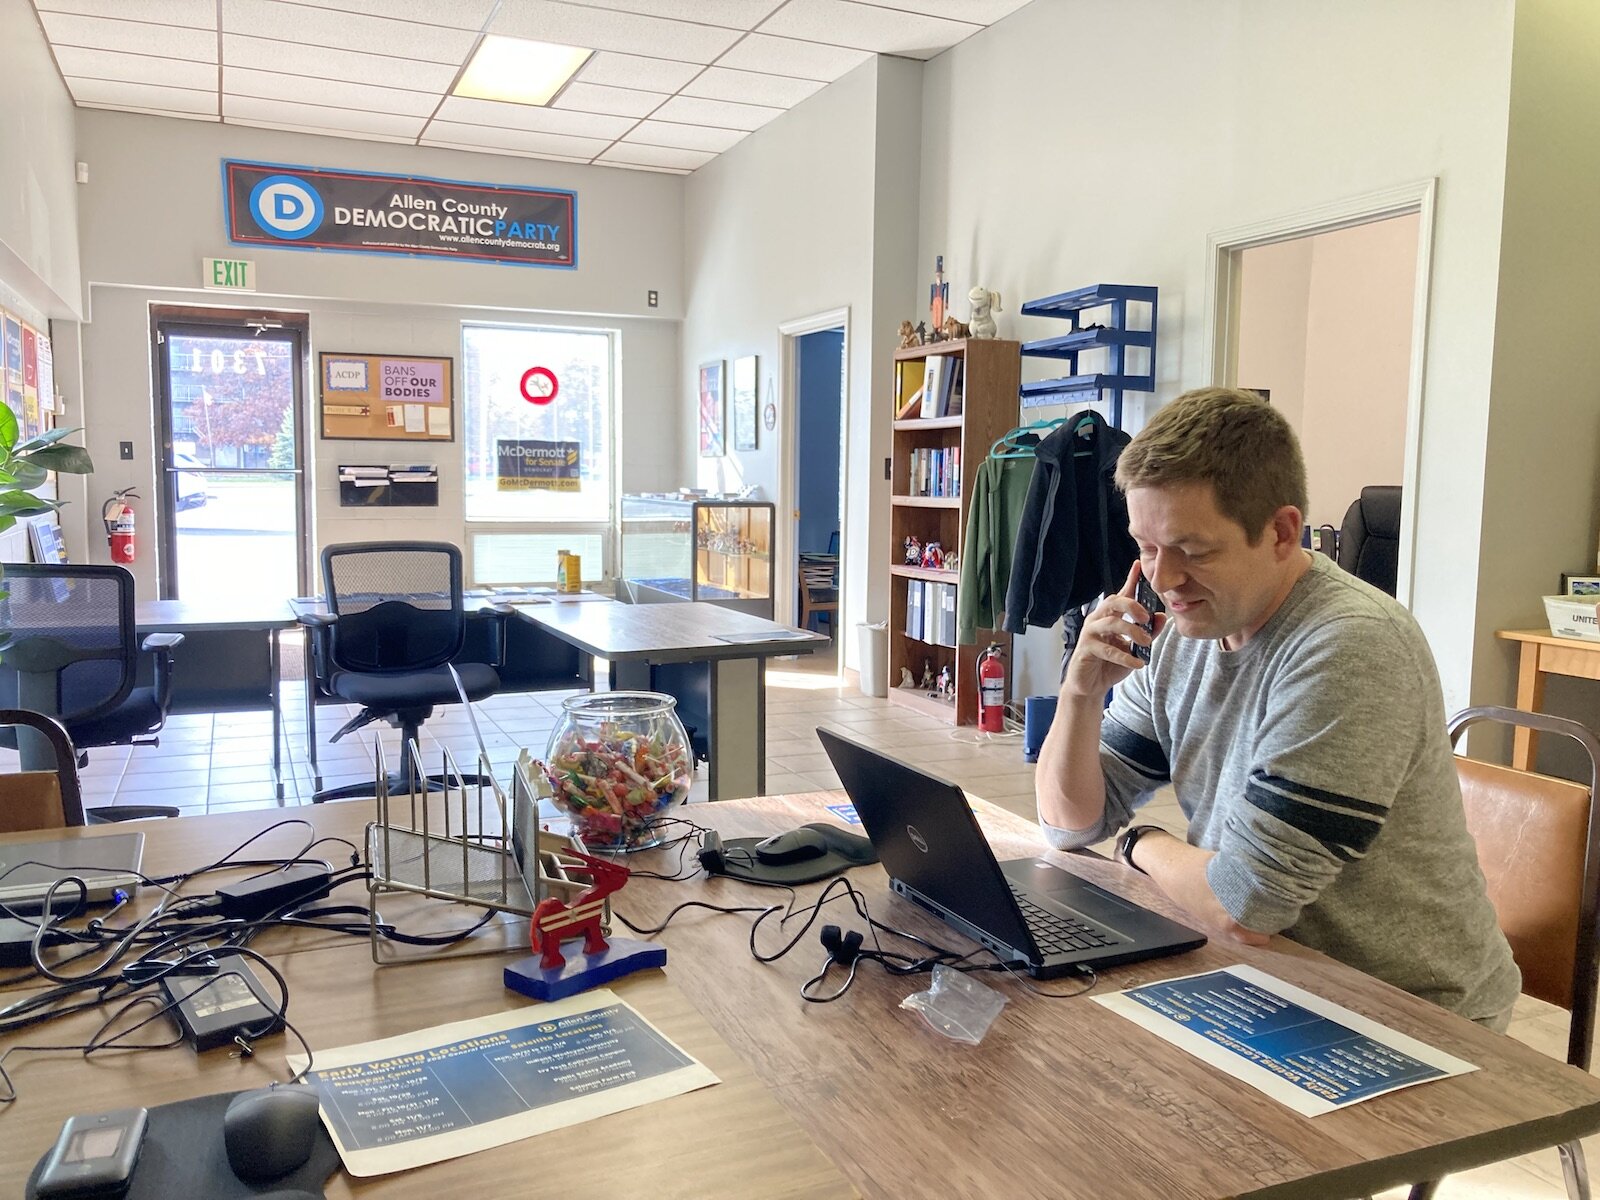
[191,487]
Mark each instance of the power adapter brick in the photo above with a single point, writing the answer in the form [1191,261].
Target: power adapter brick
[213,1009]
[251,899]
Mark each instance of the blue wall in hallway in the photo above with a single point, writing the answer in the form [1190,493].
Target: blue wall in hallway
[821,361]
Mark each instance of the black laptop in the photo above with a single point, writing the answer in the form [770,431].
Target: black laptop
[1029,912]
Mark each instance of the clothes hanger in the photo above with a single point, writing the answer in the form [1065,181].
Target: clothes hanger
[1007,448]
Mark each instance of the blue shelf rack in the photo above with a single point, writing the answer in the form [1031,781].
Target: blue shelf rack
[1111,334]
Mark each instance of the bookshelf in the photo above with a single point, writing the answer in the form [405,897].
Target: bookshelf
[990,381]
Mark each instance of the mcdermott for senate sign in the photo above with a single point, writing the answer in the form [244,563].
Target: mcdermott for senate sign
[313,208]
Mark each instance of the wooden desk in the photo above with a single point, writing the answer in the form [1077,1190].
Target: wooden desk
[230,659]
[1063,1099]
[1543,653]
[646,644]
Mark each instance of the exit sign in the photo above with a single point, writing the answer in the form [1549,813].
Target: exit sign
[228,274]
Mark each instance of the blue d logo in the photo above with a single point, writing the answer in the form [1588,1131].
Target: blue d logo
[286,207]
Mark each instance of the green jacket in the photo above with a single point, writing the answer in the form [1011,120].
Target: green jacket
[998,497]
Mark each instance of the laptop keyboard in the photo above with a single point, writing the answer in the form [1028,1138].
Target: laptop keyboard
[1057,934]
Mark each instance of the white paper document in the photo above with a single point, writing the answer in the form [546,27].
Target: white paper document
[438,421]
[414,418]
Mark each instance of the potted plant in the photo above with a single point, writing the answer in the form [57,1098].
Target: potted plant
[24,465]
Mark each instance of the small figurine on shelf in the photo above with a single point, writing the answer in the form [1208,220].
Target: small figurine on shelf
[927,675]
[933,556]
[905,679]
[952,561]
[938,297]
[984,304]
[953,329]
[922,333]
[908,335]
[944,686]
[913,550]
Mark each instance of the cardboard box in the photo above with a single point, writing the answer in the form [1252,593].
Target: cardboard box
[1574,616]
[30,800]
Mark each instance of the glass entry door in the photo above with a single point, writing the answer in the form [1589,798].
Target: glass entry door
[232,504]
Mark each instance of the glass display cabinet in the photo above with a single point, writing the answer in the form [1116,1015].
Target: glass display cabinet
[698,548]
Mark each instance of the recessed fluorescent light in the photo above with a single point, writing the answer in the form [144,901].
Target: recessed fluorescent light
[519,71]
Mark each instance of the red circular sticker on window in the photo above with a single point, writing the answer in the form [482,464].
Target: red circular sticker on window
[539,385]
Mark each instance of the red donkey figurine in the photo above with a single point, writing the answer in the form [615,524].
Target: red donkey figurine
[554,920]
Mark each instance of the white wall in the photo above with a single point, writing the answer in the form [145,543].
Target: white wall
[145,230]
[38,200]
[1192,118]
[811,213]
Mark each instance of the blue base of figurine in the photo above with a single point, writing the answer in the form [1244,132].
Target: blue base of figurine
[582,971]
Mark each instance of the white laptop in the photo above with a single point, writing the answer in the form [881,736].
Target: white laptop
[27,869]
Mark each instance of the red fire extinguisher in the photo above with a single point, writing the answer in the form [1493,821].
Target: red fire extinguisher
[117,514]
[991,690]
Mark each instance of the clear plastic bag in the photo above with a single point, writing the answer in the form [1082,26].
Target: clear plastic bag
[957,1005]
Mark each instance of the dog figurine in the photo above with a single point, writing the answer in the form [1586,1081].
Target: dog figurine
[953,329]
[984,304]
[908,335]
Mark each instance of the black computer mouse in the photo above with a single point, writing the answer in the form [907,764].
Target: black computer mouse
[271,1131]
[795,845]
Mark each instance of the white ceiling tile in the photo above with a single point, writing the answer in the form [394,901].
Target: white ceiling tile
[532,117]
[196,14]
[514,139]
[320,62]
[621,166]
[602,29]
[317,131]
[502,150]
[315,116]
[458,14]
[270,85]
[346,31]
[655,156]
[735,14]
[785,56]
[620,102]
[880,30]
[136,68]
[633,71]
[152,112]
[979,12]
[133,37]
[691,111]
[684,137]
[143,95]
[752,87]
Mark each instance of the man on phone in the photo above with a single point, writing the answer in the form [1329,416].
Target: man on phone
[1295,710]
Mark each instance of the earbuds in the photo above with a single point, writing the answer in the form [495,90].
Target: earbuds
[842,948]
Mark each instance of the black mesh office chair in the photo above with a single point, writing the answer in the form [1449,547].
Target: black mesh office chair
[1369,541]
[74,654]
[396,618]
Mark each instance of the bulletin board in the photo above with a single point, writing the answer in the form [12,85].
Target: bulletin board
[386,397]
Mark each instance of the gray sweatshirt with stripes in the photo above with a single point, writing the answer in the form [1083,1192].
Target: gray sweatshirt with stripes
[1314,761]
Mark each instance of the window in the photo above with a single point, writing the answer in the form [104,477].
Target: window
[550,509]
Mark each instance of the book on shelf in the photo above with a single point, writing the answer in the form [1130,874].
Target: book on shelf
[933,385]
[911,408]
[958,390]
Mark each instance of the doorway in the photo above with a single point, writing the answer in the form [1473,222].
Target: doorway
[232,506]
[813,478]
[1325,314]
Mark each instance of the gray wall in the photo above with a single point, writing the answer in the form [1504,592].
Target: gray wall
[629,230]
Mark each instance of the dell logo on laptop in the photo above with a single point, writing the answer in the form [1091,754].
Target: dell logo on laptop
[917,840]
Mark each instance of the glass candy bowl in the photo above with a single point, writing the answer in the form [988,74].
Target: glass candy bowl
[617,761]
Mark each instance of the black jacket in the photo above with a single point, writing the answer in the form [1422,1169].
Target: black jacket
[1073,542]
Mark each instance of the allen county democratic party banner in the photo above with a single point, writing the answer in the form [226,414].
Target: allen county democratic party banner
[309,208]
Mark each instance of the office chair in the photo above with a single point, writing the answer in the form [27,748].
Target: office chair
[819,592]
[1369,540]
[395,619]
[1539,847]
[74,655]
[69,809]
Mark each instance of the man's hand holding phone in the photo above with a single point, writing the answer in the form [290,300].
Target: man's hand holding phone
[1116,638]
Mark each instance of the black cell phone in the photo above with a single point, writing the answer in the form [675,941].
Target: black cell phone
[94,1156]
[1147,598]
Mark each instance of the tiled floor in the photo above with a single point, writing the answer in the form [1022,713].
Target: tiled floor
[210,764]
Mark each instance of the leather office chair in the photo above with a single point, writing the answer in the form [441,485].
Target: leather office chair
[395,619]
[74,654]
[1369,540]
[1539,847]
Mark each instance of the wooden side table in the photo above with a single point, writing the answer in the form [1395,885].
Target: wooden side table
[1543,653]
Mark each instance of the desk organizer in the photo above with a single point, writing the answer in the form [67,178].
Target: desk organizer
[404,485]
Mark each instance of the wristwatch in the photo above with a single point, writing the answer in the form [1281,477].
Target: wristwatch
[1130,838]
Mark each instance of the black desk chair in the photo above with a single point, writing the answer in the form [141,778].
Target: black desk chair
[74,655]
[1369,541]
[395,619]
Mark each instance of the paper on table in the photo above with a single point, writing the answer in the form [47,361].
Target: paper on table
[1307,1053]
[439,421]
[414,418]
[437,1094]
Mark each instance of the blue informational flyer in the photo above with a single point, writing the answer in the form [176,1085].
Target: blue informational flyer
[1309,1054]
[845,813]
[440,1093]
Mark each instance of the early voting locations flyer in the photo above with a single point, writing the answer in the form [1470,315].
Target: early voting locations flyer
[1306,1053]
[455,1089]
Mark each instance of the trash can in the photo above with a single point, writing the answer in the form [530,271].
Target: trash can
[874,659]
